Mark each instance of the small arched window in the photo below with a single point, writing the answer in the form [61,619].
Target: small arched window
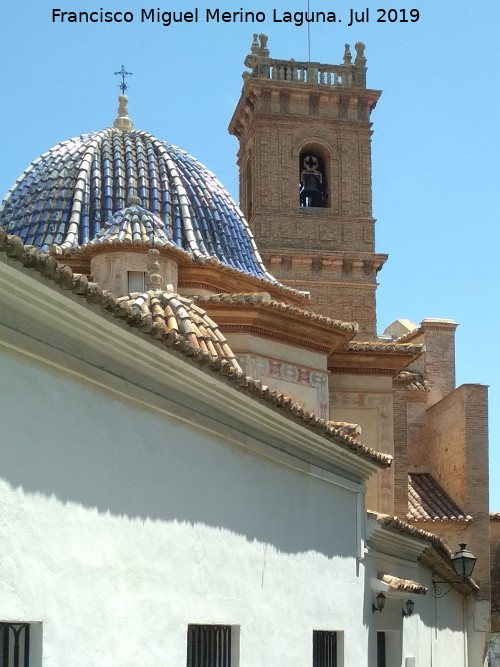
[312,182]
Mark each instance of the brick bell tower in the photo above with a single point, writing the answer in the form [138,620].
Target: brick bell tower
[305,178]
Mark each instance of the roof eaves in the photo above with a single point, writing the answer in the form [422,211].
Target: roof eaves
[406,585]
[183,255]
[264,299]
[387,347]
[78,284]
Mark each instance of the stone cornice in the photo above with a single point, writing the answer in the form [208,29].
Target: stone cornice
[278,321]
[218,280]
[377,359]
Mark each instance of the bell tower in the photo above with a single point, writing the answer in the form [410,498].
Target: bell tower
[305,177]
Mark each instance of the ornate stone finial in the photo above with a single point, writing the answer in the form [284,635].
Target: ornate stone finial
[264,51]
[347,55]
[360,54]
[153,278]
[123,122]
[253,60]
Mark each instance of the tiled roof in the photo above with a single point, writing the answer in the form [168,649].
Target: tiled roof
[441,550]
[397,584]
[264,299]
[415,381]
[48,267]
[134,224]
[176,314]
[69,195]
[394,524]
[353,430]
[494,516]
[427,501]
[140,235]
[382,346]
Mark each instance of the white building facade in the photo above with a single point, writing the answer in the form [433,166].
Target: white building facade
[144,495]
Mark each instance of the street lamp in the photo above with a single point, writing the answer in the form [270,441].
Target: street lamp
[463,563]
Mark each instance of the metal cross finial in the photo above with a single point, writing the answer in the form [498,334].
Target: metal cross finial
[123,86]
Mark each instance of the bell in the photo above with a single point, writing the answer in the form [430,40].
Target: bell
[311,189]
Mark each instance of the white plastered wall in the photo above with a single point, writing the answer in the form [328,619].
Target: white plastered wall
[121,526]
[436,633]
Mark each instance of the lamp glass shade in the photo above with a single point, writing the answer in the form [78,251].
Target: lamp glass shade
[409,607]
[463,562]
[380,601]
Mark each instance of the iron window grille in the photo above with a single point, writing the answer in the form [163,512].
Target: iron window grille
[209,646]
[14,644]
[324,648]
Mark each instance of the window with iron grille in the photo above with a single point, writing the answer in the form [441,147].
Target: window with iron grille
[209,646]
[324,648]
[14,644]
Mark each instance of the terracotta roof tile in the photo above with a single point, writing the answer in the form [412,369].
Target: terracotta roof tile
[353,429]
[415,381]
[397,584]
[398,526]
[135,310]
[427,501]
[383,346]
[494,516]
[409,335]
[175,313]
[264,299]
[395,525]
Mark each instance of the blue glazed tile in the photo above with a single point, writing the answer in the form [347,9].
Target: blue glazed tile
[122,165]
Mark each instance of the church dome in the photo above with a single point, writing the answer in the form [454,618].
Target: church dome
[76,195]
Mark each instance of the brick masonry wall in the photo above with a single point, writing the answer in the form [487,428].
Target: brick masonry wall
[439,360]
[456,434]
[340,301]
[417,449]
[400,416]
[328,251]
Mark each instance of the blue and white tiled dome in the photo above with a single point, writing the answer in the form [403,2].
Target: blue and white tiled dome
[72,196]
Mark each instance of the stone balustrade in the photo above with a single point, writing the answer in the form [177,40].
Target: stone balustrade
[347,74]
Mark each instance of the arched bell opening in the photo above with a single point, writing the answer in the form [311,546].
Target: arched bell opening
[312,180]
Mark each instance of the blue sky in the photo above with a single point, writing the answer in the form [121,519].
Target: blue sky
[435,145]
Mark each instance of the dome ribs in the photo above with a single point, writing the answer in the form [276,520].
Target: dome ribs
[142,184]
[96,190]
[72,236]
[131,186]
[118,181]
[85,217]
[107,172]
[77,194]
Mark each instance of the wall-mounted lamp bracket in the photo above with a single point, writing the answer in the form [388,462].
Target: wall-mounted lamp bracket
[463,563]
[380,600]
